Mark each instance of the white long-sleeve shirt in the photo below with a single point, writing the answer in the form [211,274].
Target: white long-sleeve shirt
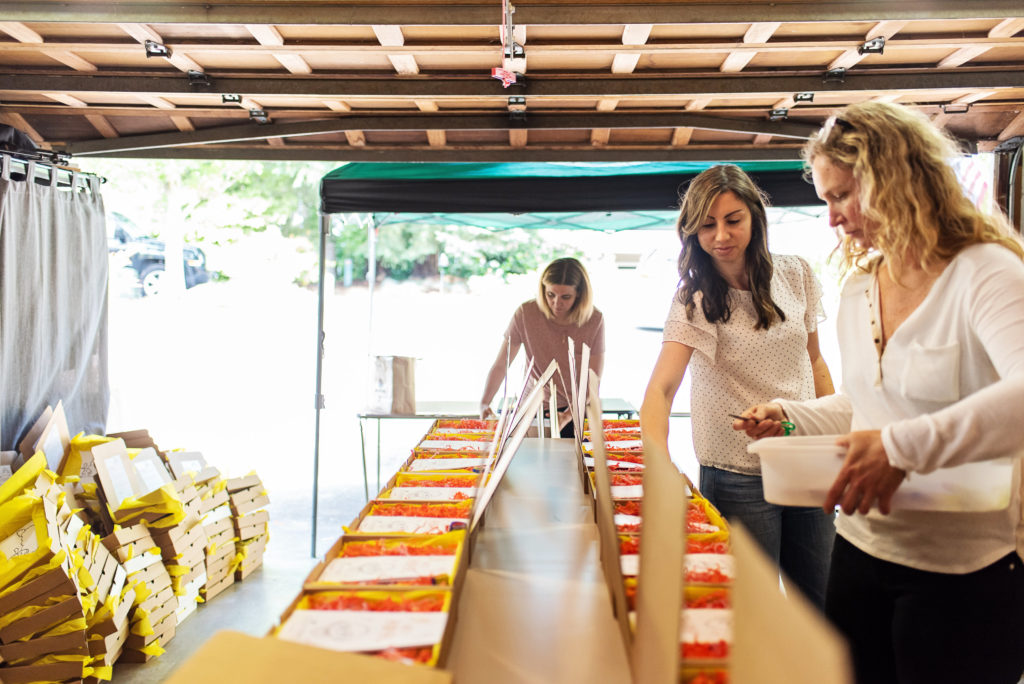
[948,390]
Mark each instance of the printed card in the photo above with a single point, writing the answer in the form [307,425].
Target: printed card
[430,493]
[428,464]
[351,630]
[410,524]
[371,568]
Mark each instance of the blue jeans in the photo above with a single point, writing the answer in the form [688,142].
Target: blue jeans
[798,539]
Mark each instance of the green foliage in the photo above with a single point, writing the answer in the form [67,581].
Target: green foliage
[405,250]
[214,202]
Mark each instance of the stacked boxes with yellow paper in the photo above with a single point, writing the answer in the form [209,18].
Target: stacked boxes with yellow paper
[248,498]
[183,547]
[57,584]
[218,523]
[153,619]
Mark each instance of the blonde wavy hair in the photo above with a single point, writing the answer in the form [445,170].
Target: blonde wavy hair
[908,188]
[568,271]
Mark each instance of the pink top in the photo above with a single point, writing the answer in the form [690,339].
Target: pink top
[544,340]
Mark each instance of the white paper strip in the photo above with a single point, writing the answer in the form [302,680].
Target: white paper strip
[454,445]
[617,444]
[412,524]
[356,630]
[630,564]
[692,562]
[705,626]
[623,519]
[627,491]
[430,493]
[621,465]
[369,568]
[428,464]
[463,431]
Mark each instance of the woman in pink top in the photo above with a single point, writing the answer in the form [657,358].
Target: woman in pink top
[564,308]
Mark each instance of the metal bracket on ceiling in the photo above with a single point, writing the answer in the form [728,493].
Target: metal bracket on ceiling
[875,46]
[803,97]
[155,49]
[955,108]
[837,75]
[230,98]
[778,114]
[198,78]
[517,108]
[259,116]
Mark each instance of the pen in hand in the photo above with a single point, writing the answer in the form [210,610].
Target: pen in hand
[733,415]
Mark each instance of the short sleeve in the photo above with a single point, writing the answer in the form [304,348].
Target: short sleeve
[699,334]
[814,314]
[597,339]
[514,332]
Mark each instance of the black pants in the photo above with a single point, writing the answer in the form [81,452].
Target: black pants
[910,626]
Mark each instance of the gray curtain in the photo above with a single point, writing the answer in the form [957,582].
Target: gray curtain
[53,298]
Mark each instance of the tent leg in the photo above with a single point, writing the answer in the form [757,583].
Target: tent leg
[325,227]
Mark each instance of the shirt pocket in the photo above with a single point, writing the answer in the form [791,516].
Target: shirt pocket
[931,373]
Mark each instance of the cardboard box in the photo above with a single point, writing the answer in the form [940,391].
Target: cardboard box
[238,483]
[212,589]
[44,619]
[125,536]
[110,646]
[208,503]
[251,505]
[67,644]
[52,672]
[54,582]
[232,656]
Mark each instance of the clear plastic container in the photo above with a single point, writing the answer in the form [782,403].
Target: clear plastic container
[798,471]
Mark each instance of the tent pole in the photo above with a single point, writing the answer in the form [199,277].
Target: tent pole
[371,275]
[325,227]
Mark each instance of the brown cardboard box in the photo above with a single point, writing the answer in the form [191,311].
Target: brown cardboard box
[218,526]
[66,644]
[44,619]
[251,505]
[124,536]
[232,656]
[157,599]
[214,500]
[110,646]
[52,672]
[212,589]
[237,483]
[51,583]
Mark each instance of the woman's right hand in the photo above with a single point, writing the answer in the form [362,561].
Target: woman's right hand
[762,420]
[486,413]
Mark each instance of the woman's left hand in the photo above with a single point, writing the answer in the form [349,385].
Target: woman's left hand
[564,418]
[865,477]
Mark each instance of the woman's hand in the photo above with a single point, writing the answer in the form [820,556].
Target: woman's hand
[762,420]
[564,418]
[865,477]
[486,413]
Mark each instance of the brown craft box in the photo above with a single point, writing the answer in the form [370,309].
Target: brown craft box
[312,583]
[51,672]
[110,646]
[232,656]
[214,588]
[218,526]
[250,505]
[54,582]
[238,483]
[73,643]
[209,503]
[44,619]
[446,638]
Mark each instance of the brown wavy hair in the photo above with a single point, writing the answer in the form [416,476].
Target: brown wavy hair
[697,270]
[908,188]
[568,271]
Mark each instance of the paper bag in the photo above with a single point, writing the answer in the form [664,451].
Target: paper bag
[392,385]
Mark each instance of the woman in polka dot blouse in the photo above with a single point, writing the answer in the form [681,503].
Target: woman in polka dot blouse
[745,321]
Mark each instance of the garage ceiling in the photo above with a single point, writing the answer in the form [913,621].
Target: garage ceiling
[412,81]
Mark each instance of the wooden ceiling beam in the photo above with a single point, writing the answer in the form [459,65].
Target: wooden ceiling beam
[701,89]
[636,34]
[482,13]
[20,32]
[19,122]
[356,125]
[103,126]
[66,99]
[468,153]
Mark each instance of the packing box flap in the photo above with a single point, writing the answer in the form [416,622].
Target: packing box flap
[232,656]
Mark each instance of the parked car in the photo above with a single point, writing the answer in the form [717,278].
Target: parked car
[145,255]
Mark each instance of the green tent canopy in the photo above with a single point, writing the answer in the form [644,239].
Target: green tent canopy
[601,196]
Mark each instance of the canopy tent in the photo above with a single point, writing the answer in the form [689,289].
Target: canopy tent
[544,195]
[598,196]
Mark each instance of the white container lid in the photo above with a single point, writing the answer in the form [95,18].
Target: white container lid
[799,471]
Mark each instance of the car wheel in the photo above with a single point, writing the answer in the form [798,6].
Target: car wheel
[150,278]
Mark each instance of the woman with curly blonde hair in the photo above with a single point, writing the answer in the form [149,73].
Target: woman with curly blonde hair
[931,331]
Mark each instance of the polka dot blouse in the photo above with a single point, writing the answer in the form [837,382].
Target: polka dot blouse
[735,366]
